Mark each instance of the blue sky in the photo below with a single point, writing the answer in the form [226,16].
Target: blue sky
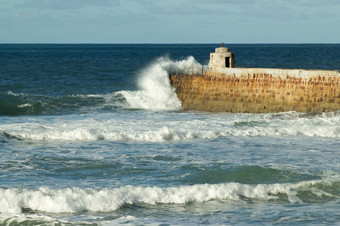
[169,21]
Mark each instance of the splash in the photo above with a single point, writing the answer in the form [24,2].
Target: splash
[155,91]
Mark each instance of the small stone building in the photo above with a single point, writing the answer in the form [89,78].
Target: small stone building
[222,57]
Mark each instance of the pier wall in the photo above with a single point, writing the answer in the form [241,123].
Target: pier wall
[259,90]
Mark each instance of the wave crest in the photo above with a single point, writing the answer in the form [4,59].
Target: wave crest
[75,200]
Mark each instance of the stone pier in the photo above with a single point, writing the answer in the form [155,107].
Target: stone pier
[257,90]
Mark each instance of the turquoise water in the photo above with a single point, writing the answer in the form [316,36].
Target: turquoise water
[95,135]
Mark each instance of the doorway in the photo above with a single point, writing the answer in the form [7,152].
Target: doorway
[227,64]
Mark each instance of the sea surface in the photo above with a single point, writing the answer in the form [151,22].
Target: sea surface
[95,135]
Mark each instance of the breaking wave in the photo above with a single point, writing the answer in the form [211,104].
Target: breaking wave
[155,91]
[153,127]
[77,200]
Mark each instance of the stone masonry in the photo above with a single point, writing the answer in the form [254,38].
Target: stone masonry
[258,90]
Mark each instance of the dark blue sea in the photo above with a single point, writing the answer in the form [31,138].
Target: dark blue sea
[95,135]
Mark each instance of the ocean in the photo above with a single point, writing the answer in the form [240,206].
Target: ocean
[93,134]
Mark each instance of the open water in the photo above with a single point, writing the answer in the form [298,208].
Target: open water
[95,135]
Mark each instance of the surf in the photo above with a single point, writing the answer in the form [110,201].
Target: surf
[77,200]
[154,127]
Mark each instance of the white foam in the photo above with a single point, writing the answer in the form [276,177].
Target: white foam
[155,91]
[159,127]
[25,105]
[23,219]
[75,200]
[15,94]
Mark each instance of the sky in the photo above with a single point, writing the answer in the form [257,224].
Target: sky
[169,21]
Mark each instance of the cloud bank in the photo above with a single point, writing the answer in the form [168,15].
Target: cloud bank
[155,21]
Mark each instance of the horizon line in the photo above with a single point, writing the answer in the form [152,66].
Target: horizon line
[164,43]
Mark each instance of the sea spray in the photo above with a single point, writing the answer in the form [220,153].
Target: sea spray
[155,91]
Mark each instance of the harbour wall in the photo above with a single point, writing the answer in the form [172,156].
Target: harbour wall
[259,90]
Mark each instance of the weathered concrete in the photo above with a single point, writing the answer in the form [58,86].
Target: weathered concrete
[259,90]
[221,58]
